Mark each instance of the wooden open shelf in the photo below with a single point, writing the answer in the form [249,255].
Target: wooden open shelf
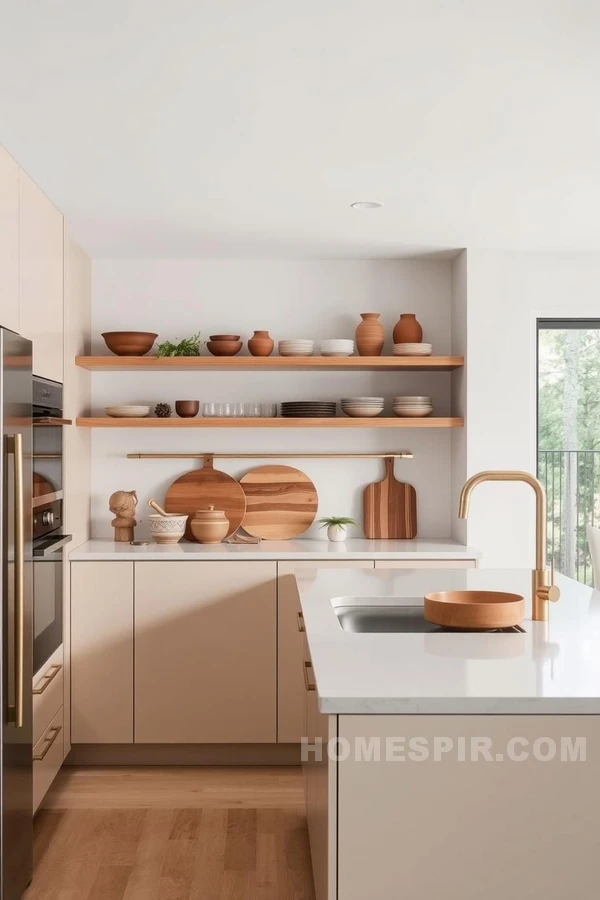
[257,363]
[279,422]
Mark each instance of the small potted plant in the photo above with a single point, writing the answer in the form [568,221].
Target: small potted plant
[337,526]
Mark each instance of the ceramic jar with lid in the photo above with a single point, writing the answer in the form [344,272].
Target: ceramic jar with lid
[210,525]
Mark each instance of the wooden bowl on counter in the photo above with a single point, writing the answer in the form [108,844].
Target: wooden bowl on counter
[224,348]
[479,610]
[129,343]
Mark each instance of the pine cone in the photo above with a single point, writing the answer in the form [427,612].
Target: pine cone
[162,410]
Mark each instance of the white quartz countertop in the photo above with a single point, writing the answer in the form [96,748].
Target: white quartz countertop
[554,668]
[353,548]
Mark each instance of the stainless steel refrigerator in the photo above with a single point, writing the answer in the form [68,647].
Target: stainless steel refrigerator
[16,594]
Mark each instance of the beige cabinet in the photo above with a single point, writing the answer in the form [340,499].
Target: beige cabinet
[290,701]
[48,755]
[426,564]
[205,652]
[320,785]
[76,441]
[41,278]
[9,242]
[102,652]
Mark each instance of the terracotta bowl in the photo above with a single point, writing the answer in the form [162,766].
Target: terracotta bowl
[224,348]
[187,409]
[129,343]
[224,337]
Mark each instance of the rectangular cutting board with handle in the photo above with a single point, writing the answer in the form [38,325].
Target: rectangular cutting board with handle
[390,507]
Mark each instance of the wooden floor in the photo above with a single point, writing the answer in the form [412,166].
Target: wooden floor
[173,834]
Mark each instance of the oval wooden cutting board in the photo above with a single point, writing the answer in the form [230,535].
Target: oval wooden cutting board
[281,502]
[207,487]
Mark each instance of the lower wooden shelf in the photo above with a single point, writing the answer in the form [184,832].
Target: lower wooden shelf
[279,422]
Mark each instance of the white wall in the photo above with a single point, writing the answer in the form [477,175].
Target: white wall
[314,299]
[507,292]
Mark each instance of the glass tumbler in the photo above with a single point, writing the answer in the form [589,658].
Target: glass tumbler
[253,410]
[268,410]
[238,410]
[208,410]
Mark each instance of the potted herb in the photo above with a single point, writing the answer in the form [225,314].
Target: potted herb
[187,347]
[337,526]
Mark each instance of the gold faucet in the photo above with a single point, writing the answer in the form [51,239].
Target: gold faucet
[542,588]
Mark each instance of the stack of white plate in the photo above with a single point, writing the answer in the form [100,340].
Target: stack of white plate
[127,412]
[337,347]
[413,407]
[299,347]
[412,349]
[362,407]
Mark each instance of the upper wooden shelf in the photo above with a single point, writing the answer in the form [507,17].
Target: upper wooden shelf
[350,363]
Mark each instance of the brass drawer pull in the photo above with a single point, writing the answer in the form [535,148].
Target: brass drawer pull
[300,620]
[307,682]
[53,733]
[46,679]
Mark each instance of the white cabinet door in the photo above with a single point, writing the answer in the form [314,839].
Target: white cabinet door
[9,242]
[41,278]
[291,645]
[102,652]
[205,652]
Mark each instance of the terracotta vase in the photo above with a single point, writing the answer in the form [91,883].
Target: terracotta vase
[260,344]
[369,335]
[407,330]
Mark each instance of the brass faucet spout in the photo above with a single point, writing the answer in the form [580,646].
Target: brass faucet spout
[542,584]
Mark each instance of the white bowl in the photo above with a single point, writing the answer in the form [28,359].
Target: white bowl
[362,412]
[167,529]
[133,412]
[416,413]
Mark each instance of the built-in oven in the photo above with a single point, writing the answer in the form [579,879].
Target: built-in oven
[48,537]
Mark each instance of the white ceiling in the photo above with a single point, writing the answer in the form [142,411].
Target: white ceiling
[247,127]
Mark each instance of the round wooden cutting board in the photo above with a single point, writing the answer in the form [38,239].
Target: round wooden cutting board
[281,502]
[207,487]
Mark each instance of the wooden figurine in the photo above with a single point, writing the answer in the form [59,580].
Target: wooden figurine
[123,504]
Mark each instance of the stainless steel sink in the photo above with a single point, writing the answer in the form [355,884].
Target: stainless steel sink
[390,620]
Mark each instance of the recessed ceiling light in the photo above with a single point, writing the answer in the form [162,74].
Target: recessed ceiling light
[366,204]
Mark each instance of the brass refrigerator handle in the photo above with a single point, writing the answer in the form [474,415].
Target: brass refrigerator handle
[52,733]
[300,620]
[19,567]
[47,678]
[305,667]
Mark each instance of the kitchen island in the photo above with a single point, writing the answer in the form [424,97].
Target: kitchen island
[459,758]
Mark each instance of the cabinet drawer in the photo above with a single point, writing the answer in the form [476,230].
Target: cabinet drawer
[48,685]
[48,754]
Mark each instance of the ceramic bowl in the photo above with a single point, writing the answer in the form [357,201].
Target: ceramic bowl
[187,409]
[127,412]
[224,348]
[418,412]
[167,529]
[224,337]
[362,412]
[129,343]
